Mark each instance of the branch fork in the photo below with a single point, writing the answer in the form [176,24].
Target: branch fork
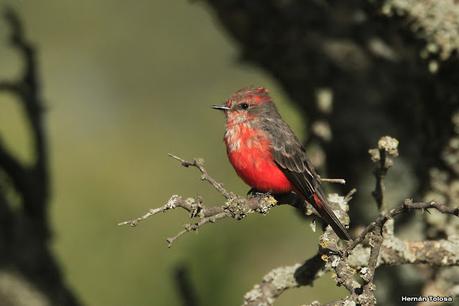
[235,207]
[353,264]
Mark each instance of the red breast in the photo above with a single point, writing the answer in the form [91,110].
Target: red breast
[249,151]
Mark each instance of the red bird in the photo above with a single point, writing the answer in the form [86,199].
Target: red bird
[268,156]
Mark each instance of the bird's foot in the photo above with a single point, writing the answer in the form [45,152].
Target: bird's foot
[253,193]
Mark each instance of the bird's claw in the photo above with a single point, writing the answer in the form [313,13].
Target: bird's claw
[253,193]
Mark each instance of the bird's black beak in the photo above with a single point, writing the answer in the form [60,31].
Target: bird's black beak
[221,107]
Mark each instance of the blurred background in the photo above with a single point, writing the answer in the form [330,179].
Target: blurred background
[124,85]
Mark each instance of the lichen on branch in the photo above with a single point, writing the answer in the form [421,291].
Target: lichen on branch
[353,264]
[234,207]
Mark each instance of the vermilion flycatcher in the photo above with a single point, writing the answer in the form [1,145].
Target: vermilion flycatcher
[268,156]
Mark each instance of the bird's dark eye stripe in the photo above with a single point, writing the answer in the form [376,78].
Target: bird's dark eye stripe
[244,105]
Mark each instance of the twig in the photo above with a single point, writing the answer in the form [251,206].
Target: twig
[349,195]
[199,164]
[333,181]
[235,207]
[387,148]
[407,205]
[195,226]
[174,202]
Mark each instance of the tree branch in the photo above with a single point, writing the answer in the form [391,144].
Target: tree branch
[387,148]
[235,207]
[407,206]
[354,264]
[32,182]
[199,164]
[14,169]
[383,246]
[281,279]
[432,252]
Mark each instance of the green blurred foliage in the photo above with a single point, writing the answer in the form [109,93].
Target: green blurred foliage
[126,83]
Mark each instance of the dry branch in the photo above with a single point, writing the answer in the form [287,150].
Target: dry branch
[387,149]
[407,206]
[235,207]
[332,180]
[281,279]
[354,264]
[355,269]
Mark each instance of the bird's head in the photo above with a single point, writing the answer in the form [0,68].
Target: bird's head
[246,104]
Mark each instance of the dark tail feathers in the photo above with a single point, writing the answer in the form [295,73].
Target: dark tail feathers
[320,204]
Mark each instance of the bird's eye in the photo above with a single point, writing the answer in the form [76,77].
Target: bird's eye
[244,105]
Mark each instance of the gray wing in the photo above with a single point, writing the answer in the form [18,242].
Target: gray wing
[290,156]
